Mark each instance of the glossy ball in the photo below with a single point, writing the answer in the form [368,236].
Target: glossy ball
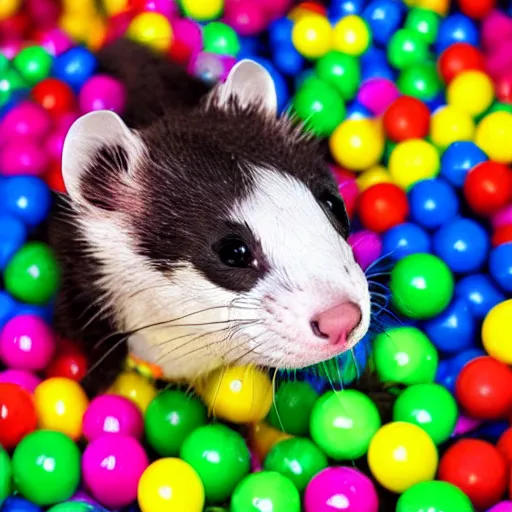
[351,35]
[384,18]
[406,118]
[402,455]
[114,484]
[471,92]
[456,28]
[312,36]
[70,364]
[450,124]
[420,81]
[23,156]
[55,96]
[495,332]
[500,266]
[27,119]
[458,159]
[477,9]
[434,496]
[13,235]
[26,380]
[424,22]
[151,29]
[135,387]
[19,504]
[201,10]
[460,57]
[5,475]
[9,8]
[493,134]
[478,469]
[220,457]
[75,67]
[404,239]
[220,38]
[33,63]
[341,71]
[343,423]
[406,48]
[102,92]
[421,286]
[46,467]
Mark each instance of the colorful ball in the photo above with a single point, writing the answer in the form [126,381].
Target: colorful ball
[27,119]
[135,387]
[5,476]
[425,22]
[406,118]
[458,159]
[27,380]
[351,35]
[220,38]
[471,92]
[55,96]
[201,10]
[493,135]
[404,239]
[420,81]
[460,57]
[435,496]
[312,36]
[495,332]
[480,293]
[500,266]
[151,29]
[9,8]
[406,48]
[102,92]
[450,124]
[33,63]
[340,70]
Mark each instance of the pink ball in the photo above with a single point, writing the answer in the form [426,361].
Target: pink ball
[10,49]
[44,12]
[112,414]
[188,33]
[465,424]
[26,343]
[26,380]
[102,92]
[55,41]
[499,61]
[22,156]
[166,7]
[502,506]
[274,9]
[367,247]
[377,95]
[25,120]
[340,488]
[65,121]
[503,217]
[111,469]
[496,28]
[55,144]
[246,17]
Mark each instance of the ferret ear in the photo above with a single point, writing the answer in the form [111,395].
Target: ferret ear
[99,148]
[250,84]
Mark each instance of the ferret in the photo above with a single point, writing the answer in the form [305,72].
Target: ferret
[201,229]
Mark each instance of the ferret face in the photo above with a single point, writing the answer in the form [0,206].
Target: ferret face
[219,234]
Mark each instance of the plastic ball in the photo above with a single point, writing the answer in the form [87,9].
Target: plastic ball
[60,405]
[246,17]
[384,18]
[406,118]
[373,176]
[70,364]
[424,22]
[504,445]
[478,469]
[169,484]
[114,484]
[312,36]
[493,136]
[421,286]
[456,28]
[262,437]
[377,94]
[351,35]
[220,38]
[5,476]
[27,119]
[18,416]
[495,329]
[480,293]
[402,455]
[404,355]
[151,29]
[75,66]
[102,92]
[357,144]
[268,489]
[500,266]
[458,159]
[483,388]
[450,124]
[135,387]
[220,457]
[471,92]
[27,380]
[33,63]
[477,9]
[405,239]
[23,156]
[46,467]
[13,235]
[12,86]
[343,423]
[201,10]
[55,96]
[9,8]
[19,504]
[366,247]
[405,48]
[460,57]
[341,71]
[337,487]
[420,81]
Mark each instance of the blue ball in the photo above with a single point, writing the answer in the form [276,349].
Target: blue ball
[26,197]
[13,234]
[43,312]
[340,8]
[436,102]
[454,329]
[19,504]
[462,244]
[480,293]
[249,46]
[356,110]
[458,159]
[384,18]
[75,66]
[7,308]
[456,28]
[433,203]
[374,65]
[500,266]
[280,31]
[453,367]
[287,59]
[405,239]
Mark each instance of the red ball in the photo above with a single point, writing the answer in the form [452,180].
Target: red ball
[504,445]
[502,235]
[70,366]
[17,414]
[54,178]
[55,96]
[382,206]
[503,87]
[478,469]
[407,118]
[488,187]
[484,388]
[457,58]
[477,9]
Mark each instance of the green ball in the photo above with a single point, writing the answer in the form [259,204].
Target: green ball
[33,275]
[10,81]
[220,38]
[73,506]
[34,64]
[46,467]
[431,407]
[220,457]
[5,475]
[297,458]
[404,355]
[420,81]
[4,63]
[434,496]
[170,417]
[291,408]
[424,22]
[421,286]
[406,48]
[343,423]
[320,106]
[265,491]
[341,71]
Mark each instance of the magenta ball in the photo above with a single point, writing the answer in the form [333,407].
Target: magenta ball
[367,247]
[377,95]
[189,33]
[496,28]
[27,380]
[11,48]
[274,9]
[340,488]
[46,12]
[26,343]
[25,120]
[55,143]
[503,217]
[246,17]
[23,156]
[111,469]
[112,414]
[502,506]
[499,61]
[166,7]
[102,92]
[55,41]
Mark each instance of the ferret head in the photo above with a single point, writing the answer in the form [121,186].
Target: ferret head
[219,233]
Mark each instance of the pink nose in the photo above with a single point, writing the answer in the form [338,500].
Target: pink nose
[337,323]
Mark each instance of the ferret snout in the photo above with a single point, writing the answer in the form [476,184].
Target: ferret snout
[337,323]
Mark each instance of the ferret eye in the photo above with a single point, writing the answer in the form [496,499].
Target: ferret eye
[336,207]
[234,252]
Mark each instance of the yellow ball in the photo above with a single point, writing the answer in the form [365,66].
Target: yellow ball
[351,35]
[135,387]
[401,455]
[438,6]
[312,36]
[113,7]
[60,405]
[77,26]
[202,10]
[152,29]
[471,91]
[373,176]
[450,124]
[262,437]
[8,8]
[170,485]
[357,144]
[413,160]
[497,332]
[239,394]
[494,136]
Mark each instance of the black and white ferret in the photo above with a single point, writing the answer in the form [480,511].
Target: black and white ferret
[201,229]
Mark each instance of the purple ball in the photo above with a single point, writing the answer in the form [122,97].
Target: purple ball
[189,33]
[340,488]
[367,247]
[23,156]
[377,95]
[27,380]
[111,469]
[55,41]
[55,144]
[502,506]
[25,120]
[102,92]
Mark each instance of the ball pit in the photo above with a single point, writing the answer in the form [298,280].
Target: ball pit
[414,101]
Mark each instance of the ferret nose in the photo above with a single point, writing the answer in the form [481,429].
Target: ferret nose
[337,323]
